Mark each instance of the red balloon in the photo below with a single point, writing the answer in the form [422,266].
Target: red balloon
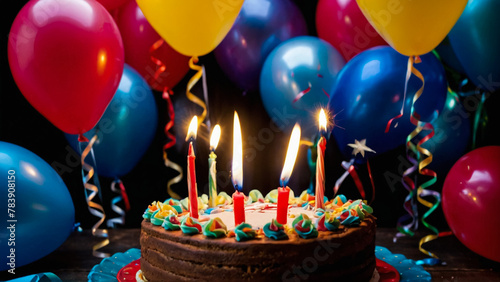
[110,5]
[138,37]
[342,24]
[67,60]
[471,195]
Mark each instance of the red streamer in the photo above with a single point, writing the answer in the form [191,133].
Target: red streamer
[171,140]
[357,181]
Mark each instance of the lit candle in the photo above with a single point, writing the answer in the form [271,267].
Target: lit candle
[320,162]
[212,181]
[191,179]
[284,191]
[237,173]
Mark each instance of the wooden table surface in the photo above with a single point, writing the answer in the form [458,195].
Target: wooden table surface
[73,260]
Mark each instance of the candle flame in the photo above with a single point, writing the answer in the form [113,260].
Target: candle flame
[193,127]
[291,155]
[237,168]
[214,138]
[322,120]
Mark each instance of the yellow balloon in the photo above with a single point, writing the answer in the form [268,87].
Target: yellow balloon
[412,27]
[191,27]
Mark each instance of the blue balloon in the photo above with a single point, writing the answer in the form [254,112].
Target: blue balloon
[38,213]
[476,43]
[301,64]
[261,25]
[452,132]
[126,129]
[369,93]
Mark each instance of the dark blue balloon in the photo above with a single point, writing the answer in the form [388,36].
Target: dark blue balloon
[476,42]
[261,25]
[452,130]
[126,129]
[303,63]
[369,92]
[42,208]
[448,56]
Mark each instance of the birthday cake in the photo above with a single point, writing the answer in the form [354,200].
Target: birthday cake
[332,244]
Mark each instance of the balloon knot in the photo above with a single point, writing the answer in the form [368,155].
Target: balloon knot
[167,92]
[82,138]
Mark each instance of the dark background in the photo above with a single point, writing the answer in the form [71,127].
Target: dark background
[22,125]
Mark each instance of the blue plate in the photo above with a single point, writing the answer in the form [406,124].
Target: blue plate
[408,269]
[107,270]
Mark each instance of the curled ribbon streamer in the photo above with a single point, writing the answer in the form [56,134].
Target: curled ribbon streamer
[352,171]
[123,196]
[306,142]
[409,67]
[341,179]
[169,144]
[409,203]
[372,182]
[94,208]
[205,95]
[192,81]
[478,116]
[301,94]
[171,116]
[424,157]
[161,66]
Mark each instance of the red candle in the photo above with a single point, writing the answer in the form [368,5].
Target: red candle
[193,191]
[237,173]
[282,213]
[239,208]
[284,191]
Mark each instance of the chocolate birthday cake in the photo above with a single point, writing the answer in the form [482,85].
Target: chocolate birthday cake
[332,244]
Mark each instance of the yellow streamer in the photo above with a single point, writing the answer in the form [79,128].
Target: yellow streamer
[424,240]
[174,180]
[94,208]
[306,142]
[192,81]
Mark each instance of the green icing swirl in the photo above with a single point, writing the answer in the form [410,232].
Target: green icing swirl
[185,203]
[229,199]
[255,195]
[304,226]
[275,230]
[272,196]
[147,214]
[157,218]
[244,232]
[190,226]
[331,222]
[214,228]
[171,222]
